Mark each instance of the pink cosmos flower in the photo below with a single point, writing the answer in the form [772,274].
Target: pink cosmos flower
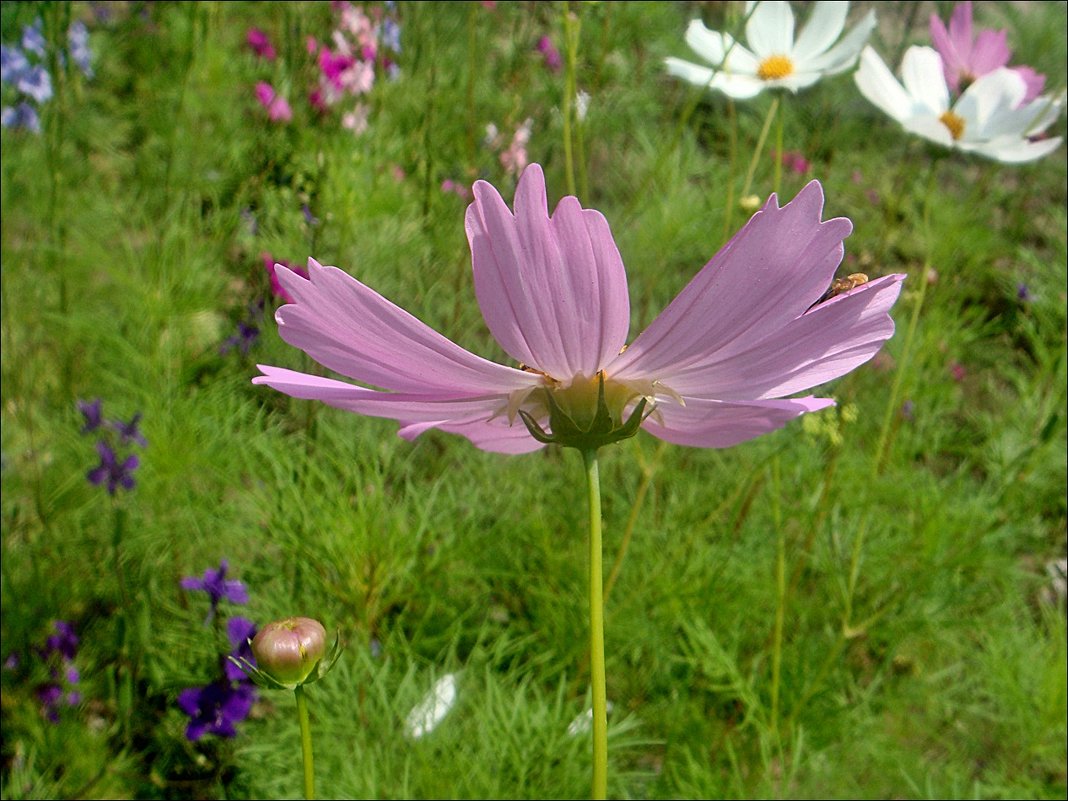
[794,161]
[278,109]
[551,55]
[271,265]
[713,367]
[966,57]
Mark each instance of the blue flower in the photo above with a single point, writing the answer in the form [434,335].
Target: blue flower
[390,35]
[216,707]
[64,642]
[37,83]
[78,44]
[21,116]
[33,40]
[110,471]
[13,64]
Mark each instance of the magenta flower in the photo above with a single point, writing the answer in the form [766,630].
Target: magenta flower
[278,109]
[260,44]
[966,57]
[551,55]
[710,371]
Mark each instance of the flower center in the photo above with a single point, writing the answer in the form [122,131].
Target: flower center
[775,67]
[954,123]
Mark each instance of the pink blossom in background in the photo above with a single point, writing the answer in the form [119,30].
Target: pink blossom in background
[793,161]
[966,57]
[514,158]
[449,186]
[958,371]
[278,109]
[551,55]
[260,45]
[714,367]
[312,45]
[356,120]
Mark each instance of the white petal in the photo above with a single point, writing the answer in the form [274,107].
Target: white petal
[429,712]
[770,30]
[1015,150]
[990,106]
[844,54]
[740,87]
[701,76]
[924,79]
[931,128]
[823,28]
[879,85]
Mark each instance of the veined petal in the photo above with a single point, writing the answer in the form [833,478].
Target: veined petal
[766,276]
[844,54]
[825,24]
[770,29]
[495,436]
[820,345]
[553,291]
[924,80]
[721,424]
[879,85]
[990,52]
[350,328]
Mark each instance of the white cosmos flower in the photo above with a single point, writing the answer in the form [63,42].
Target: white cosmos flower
[771,57]
[989,119]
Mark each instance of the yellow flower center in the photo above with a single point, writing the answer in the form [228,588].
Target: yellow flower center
[954,123]
[775,67]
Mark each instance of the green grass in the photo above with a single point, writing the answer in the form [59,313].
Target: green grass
[917,657]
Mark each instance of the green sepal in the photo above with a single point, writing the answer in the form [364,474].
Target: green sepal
[269,682]
[601,431]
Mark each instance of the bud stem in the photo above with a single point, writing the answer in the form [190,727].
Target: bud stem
[305,742]
[597,671]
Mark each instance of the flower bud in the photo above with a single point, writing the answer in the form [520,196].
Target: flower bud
[288,650]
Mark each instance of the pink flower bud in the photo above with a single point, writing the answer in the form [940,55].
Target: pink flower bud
[288,650]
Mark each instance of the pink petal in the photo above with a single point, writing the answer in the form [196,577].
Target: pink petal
[991,51]
[822,344]
[553,291]
[479,419]
[951,60]
[350,328]
[1033,80]
[960,30]
[777,266]
[721,424]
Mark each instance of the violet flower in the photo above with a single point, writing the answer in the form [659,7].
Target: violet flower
[13,64]
[93,412]
[216,708]
[239,630]
[35,83]
[130,432]
[64,642]
[218,587]
[967,56]
[713,368]
[21,116]
[110,471]
[33,40]
[78,45]
[551,55]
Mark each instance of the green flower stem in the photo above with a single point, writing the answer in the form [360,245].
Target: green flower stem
[571,29]
[597,673]
[772,110]
[305,742]
[778,153]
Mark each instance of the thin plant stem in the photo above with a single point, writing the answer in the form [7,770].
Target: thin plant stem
[732,163]
[882,449]
[571,45]
[597,671]
[778,153]
[648,472]
[780,595]
[305,742]
[772,110]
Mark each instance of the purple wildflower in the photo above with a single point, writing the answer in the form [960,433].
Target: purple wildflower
[93,412]
[110,471]
[218,587]
[21,116]
[309,218]
[216,707]
[240,630]
[13,661]
[248,331]
[64,642]
[130,432]
[1023,293]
